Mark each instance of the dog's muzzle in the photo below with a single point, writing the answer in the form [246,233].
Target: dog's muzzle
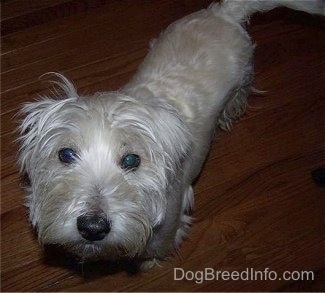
[94,226]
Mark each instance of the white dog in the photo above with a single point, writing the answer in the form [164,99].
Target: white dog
[111,174]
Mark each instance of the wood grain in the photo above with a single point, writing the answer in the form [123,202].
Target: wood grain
[256,203]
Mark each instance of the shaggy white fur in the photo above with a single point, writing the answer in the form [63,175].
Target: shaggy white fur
[111,173]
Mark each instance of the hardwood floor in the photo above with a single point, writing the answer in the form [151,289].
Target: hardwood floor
[256,203]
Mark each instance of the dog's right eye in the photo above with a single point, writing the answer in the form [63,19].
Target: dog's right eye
[130,162]
[67,155]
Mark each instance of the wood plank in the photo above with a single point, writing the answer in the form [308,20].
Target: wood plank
[112,10]
[14,8]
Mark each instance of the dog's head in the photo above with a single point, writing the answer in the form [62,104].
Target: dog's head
[99,168]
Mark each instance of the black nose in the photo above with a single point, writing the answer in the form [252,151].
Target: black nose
[93,226]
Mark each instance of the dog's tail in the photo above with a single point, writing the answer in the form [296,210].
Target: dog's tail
[240,11]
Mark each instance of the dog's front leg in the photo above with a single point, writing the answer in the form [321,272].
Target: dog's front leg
[169,234]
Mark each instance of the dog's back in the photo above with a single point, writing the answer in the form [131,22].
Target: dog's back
[202,65]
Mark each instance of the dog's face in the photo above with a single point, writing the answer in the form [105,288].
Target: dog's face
[99,169]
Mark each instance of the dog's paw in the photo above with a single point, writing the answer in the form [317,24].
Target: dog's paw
[148,264]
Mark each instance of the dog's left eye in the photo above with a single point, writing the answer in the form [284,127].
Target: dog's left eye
[67,155]
[130,162]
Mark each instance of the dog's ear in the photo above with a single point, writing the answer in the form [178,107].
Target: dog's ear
[39,119]
[34,128]
[172,133]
